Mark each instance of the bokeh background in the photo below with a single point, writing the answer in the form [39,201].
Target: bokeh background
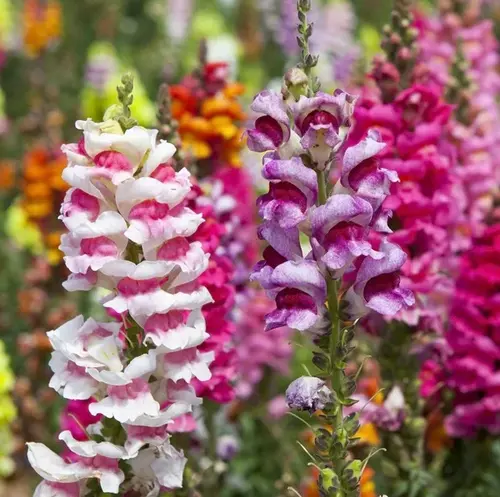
[61,60]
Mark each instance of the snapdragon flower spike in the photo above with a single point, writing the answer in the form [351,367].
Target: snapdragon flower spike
[131,233]
[339,230]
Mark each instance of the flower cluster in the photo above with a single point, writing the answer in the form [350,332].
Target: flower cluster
[7,414]
[414,128]
[206,107]
[129,233]
[41,25]
[338,228]
[43,190]
[218,279]
[445,41]
[471,357]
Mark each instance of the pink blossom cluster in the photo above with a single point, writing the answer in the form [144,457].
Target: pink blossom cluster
[413,126]
[475,135]
[258,350]
[218,279]
[130,234]
[469,363]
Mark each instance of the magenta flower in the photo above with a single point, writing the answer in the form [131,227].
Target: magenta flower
[469,367]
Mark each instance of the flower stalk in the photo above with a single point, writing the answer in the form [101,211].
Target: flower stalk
[306,138]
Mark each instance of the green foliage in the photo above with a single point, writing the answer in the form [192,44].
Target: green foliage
[473,469]
[268,460]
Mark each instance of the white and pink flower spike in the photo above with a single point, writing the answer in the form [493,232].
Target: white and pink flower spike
[129,228]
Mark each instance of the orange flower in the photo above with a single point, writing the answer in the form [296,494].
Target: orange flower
[7,175]
[41,24]
[368,434]
[367,486]
[371,388]
[209,123]
[436,437]
[43,190]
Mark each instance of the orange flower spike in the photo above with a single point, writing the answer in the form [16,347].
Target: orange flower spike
[216,106]
[224,127]
[196,125]
[38,210]
[41,23]
[183,102]
[53,19]
[371,388]
[56,181]
[53,239]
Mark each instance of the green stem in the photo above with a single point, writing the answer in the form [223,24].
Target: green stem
[333,310]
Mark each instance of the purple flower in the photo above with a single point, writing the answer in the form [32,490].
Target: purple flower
[340,229]
[377,285]
[301,295]
[292,191]
[361,173]
[227,447]
[308,393]
[272,127]
[323,122]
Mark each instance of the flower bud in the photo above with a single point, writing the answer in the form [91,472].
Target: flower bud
[296,82]
[308,393]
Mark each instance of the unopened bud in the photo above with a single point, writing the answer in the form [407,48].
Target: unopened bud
[296,82]
[110,125]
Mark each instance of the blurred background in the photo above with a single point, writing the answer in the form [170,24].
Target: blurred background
[60,60]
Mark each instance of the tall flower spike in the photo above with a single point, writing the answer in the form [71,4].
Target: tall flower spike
[130,232]
[399,45]
[307,135]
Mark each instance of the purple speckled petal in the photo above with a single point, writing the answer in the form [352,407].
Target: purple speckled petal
[340,227]
[337,209]
[381,219]
[293,171]
[361,174]
[377,284]
[303,275]
[340,105]
[284,241]
[270,103]
[257,141]
[300,319]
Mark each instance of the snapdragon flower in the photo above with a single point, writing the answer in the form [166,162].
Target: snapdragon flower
[129,233]
[326,187]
